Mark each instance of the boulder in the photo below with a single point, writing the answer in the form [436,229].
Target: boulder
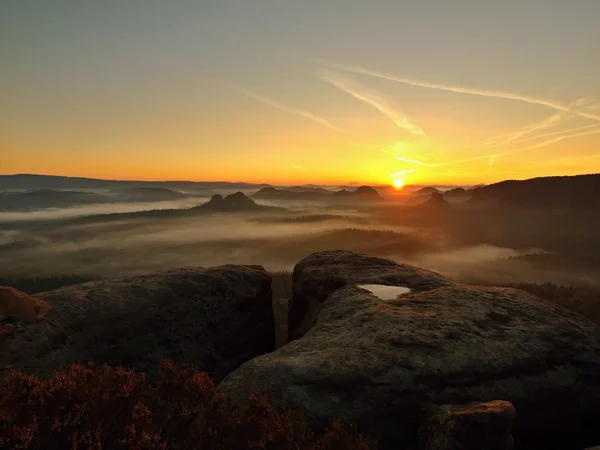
[474,426]
[386,363]
[319,274]
[215,318]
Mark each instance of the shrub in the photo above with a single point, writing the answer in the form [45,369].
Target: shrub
[115,408]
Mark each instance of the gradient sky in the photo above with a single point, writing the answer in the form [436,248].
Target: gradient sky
[298,91]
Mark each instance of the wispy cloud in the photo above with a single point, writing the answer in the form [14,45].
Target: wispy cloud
[466,90]
[493,157]
[549,122]
[567,110]
[555,133]
[375,99]
[554,140]
[289,109]
[298,167]
[402,172]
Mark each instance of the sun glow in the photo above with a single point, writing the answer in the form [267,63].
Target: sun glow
[398,184]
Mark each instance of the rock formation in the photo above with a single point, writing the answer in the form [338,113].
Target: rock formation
[237,202]
[214,318]
[387,364]
[361,194]
[318,275]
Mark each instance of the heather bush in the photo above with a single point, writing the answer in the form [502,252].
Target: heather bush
[115,408]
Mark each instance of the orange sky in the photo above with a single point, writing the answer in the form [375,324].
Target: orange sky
[301,92]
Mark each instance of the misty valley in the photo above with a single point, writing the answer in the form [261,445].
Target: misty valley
[300,225]
[513,232]
[416,296]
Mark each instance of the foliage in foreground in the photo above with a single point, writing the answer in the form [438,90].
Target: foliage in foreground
[115,408]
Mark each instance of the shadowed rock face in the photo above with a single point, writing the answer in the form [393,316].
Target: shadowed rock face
[387,364]
[214,318]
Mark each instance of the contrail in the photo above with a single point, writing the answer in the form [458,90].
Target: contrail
[412,161]
[402,172]
[298,112]
[376,101]
[464,90]
[491,158]
[587,127]
[553,141]
[549,122]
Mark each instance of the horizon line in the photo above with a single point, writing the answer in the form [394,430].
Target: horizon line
[357,184]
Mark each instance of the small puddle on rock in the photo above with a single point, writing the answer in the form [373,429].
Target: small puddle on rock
[385,292]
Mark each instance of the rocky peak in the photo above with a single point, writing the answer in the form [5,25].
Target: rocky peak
[233,202]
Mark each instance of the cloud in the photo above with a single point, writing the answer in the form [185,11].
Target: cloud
[289,109]
[586,127]
[555,140]
[402,172]
[466,90]
[374,99]
[549,122]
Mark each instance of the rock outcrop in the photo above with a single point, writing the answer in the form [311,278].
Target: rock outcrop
[214,318]
[386,364]
[237,202]
[318,275]
[475,426]
[361,194]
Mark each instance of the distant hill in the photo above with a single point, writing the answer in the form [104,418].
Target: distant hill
[270,193]
[48,198]
[436,203]
[569,192]
[31,182]
[457,195]
[237,202]
[427,190]
[363,193]
[147,194]
[307,189]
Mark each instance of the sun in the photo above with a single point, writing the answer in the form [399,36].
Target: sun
[398,184]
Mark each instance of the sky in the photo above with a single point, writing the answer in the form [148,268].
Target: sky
[304,91]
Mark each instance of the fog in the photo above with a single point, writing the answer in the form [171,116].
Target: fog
[109,246]
[88,210]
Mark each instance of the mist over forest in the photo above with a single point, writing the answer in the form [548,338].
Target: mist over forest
[460,233]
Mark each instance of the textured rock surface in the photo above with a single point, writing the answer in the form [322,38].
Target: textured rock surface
[214,318]
[474,426]
[17,306]
[318,275]
[384,364]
